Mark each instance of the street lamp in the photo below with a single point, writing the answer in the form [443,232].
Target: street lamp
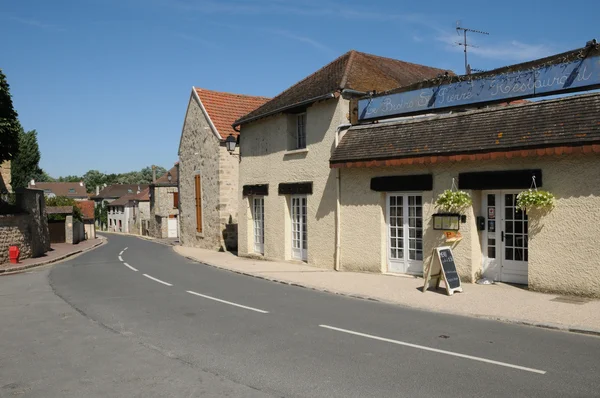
[169,177]
[230,143]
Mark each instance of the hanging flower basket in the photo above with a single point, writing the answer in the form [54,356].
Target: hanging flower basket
[453,201]
[535,199]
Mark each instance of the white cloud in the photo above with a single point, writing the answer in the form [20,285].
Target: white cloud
[36,23]
[302,39]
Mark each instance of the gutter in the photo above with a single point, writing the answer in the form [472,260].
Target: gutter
[284,108]
[338,227]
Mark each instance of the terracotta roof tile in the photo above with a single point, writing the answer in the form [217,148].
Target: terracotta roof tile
[164,179]
[569,121]
[143,196]
[87,209]
[225,108]
[353,70]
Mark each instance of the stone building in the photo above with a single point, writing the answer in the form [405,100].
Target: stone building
[288,196]
[5,186]
[164,205]
[208,182]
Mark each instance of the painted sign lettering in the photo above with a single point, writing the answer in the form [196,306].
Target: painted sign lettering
[553,79]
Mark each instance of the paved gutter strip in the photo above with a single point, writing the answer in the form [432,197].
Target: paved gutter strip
[557,327]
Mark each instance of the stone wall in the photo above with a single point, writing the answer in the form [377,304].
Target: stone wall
[199,153]
[229,166]
[5,177]
[161,207]
[28,230]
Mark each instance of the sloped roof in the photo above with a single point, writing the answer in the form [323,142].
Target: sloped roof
[353,70]
[174,176]
[143,196]
[87,209]
[59,209]
[123,200]
[566,122]
[117,190]
[68,189]
[224,108]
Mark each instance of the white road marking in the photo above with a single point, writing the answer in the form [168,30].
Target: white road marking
[129,266]
[120,254]
[508,365]
[125,249]
[228,302]
[120,258]
[157,280]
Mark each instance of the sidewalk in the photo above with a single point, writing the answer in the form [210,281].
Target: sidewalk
[58,252]
[498,302]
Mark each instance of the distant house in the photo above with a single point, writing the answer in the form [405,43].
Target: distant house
[87,211]
[73,190]
[113,192]
[125,214]
[5,186]
[208,183]
[164,205]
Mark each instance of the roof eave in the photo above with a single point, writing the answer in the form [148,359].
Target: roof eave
[239,122]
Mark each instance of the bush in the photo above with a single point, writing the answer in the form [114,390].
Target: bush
[534,199]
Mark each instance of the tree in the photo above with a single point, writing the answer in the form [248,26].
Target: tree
[92,179]
[9,123]
[146,174]
[25,165]
[71,178]
[44,177]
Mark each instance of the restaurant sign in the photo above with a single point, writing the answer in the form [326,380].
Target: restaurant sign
[580,74]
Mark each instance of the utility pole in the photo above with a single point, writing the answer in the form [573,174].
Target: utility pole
[464,43]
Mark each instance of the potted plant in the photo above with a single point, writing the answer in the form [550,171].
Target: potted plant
[535,199]
[453,201]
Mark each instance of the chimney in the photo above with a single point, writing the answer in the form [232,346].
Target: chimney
[97,190]
[153,173]
[80,183]
[32,182]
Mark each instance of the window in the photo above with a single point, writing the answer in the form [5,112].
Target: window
[301,131]
[175,200]
[71,190]
[405,233]
[198,183]
[258,217]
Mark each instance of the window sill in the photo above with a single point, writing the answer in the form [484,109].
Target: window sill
[199,234]
[295,151]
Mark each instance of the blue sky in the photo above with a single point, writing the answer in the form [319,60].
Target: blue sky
[106,82]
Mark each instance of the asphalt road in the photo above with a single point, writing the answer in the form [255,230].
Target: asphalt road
[167,326]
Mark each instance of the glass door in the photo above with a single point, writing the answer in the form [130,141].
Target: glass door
[299,228]
[258,216]
[405,233]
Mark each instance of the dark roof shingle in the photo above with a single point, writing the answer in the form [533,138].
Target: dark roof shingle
[353,70]
[68,189]
[164,179]
[569,121]
[117,190]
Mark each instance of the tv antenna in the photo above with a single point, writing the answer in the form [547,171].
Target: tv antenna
[464,43]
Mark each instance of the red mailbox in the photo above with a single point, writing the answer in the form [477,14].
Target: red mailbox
[13,254]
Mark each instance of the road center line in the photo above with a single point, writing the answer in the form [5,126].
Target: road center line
[125,249]
[157,280]
[120,254]
[508,365]
[120,258]
[227,302]
[129,266]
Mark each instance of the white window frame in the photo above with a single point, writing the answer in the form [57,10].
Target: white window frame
[258,224]
[300,131]
[405,264]
[299,227]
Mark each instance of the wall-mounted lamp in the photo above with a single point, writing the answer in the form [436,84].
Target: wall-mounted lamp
[169,176]
[230,144]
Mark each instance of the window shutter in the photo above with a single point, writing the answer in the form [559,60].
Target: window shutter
[198,203]
[175,200]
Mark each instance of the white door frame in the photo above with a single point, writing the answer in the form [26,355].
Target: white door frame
[412,224]
[299,223]
[258,224]
[504,267]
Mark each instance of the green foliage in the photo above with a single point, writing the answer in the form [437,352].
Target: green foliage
[101,214]
[64,201]
[94,178]
[25,165]
[535,199]
[9,123]
[453,201]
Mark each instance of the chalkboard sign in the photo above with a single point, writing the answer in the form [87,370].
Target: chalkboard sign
[440,267]
[448,267]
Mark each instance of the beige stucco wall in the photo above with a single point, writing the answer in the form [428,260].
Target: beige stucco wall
[202,152]
[265,160]
[562,243]
[5,176]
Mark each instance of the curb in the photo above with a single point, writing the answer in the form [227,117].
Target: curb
[15,270]
[514,321]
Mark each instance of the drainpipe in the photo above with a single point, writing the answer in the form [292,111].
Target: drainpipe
[337,201]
